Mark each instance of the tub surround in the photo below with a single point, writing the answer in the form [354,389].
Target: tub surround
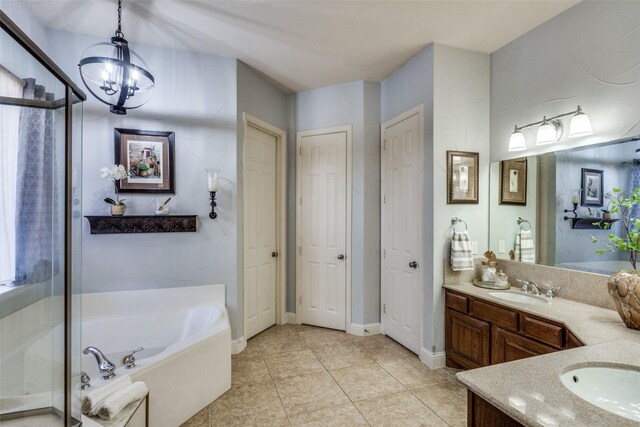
[530,391]
[186,334]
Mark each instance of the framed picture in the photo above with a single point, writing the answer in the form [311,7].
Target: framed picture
[592,187]
[462,177]
[149,157]
[513,182]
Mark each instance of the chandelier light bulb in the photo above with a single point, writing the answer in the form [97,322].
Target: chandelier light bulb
[580,124]
[517,141]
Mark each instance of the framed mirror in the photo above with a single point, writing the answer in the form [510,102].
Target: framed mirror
[563,205]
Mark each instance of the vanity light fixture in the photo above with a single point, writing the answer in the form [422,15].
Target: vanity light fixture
[551,129]
[212,181]
[116,75]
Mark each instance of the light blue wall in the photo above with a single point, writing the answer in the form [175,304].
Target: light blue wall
[338,105]
[195,97]
[261,99]
[411,85]
[587,55]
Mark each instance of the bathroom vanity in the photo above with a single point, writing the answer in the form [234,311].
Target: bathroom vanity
[485,328]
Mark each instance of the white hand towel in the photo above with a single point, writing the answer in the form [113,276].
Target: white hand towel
[115,403]
[92,397]
[461,256]
[517,250]
[527,248]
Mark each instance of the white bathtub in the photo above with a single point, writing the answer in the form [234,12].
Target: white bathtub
[187,339]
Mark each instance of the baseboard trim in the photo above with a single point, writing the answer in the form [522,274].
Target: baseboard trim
[433,360]
[291,318]
[364,330]
[238,345]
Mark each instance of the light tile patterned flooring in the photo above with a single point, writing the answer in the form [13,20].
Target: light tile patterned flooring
[294,375]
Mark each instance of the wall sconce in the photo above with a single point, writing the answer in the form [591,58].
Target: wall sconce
[212,180]
[551,128]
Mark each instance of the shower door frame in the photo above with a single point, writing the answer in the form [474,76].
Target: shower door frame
[71,90]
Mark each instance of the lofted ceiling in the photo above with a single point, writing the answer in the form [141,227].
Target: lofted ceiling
[306,44]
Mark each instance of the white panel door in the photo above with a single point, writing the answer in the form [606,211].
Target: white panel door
[322,202]
[402,231]
[260,230]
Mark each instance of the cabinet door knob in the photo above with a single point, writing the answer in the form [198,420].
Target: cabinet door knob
[340,256]
[413,264]
[274,254]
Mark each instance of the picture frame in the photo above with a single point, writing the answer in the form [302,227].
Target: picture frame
[149,157]
[462,177]
[592,187]
[513,182]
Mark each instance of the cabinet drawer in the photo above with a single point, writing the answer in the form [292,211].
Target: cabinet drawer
[456,302]
[545,332]
[496,315]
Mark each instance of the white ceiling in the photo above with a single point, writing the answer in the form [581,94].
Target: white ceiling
[307,44]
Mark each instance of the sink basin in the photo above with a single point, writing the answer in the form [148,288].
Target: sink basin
[521,298]
[612,388]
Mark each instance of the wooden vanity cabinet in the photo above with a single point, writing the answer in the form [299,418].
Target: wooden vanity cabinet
[479,333]
[481,413]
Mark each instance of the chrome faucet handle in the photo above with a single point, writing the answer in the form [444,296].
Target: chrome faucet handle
[551,292]
[524,285]
[129,361]
[84,380]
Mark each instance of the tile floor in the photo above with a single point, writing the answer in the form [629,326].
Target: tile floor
[295,375]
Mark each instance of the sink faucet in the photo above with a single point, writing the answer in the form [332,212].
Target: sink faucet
[528,286]
[104,365]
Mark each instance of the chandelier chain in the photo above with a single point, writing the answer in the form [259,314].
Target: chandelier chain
[119,30]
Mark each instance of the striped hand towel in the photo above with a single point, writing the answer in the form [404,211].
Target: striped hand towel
[461,257]
[524,248]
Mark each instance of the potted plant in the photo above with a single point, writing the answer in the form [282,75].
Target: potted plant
[624,286]
[606,213]
[116,173]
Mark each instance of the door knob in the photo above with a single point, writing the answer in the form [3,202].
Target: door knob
[413,264]
[274,254]
[340,256]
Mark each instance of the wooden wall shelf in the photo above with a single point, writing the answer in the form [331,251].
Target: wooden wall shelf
[588,223]
[142,224]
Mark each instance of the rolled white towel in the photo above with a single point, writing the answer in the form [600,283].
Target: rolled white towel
[115,403]
[91,398]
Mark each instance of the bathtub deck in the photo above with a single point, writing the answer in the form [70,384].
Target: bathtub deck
[301,375]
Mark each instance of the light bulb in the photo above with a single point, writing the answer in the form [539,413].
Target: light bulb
[105,75]
[108,67]
[135,74]
[517,141]
[580,124]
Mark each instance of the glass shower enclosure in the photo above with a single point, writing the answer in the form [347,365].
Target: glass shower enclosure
[40,223]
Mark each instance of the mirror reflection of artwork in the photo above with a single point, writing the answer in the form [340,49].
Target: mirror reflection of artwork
[592,185]
[513,182]
[462,177]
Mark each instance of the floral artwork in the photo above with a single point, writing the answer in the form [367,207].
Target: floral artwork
[149,157]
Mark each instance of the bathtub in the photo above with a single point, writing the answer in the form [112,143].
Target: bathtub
[185,332]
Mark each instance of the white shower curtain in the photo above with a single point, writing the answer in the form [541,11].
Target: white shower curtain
[10,86]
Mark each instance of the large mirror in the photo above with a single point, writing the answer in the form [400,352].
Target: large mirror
[532,201]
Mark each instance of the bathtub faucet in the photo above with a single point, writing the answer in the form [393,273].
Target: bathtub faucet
[104,365]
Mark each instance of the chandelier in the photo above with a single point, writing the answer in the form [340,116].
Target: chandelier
[115,74]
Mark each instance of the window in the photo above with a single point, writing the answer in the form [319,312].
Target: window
[10,86]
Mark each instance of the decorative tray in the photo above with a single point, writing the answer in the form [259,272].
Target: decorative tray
[490,285]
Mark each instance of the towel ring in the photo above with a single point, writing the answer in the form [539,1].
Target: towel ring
[521,221]
[455,221]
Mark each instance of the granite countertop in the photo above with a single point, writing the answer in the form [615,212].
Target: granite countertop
[530,390]
[591,324]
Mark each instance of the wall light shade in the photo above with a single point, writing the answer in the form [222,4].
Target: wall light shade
[580,125]
[517,141]
[547,132]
